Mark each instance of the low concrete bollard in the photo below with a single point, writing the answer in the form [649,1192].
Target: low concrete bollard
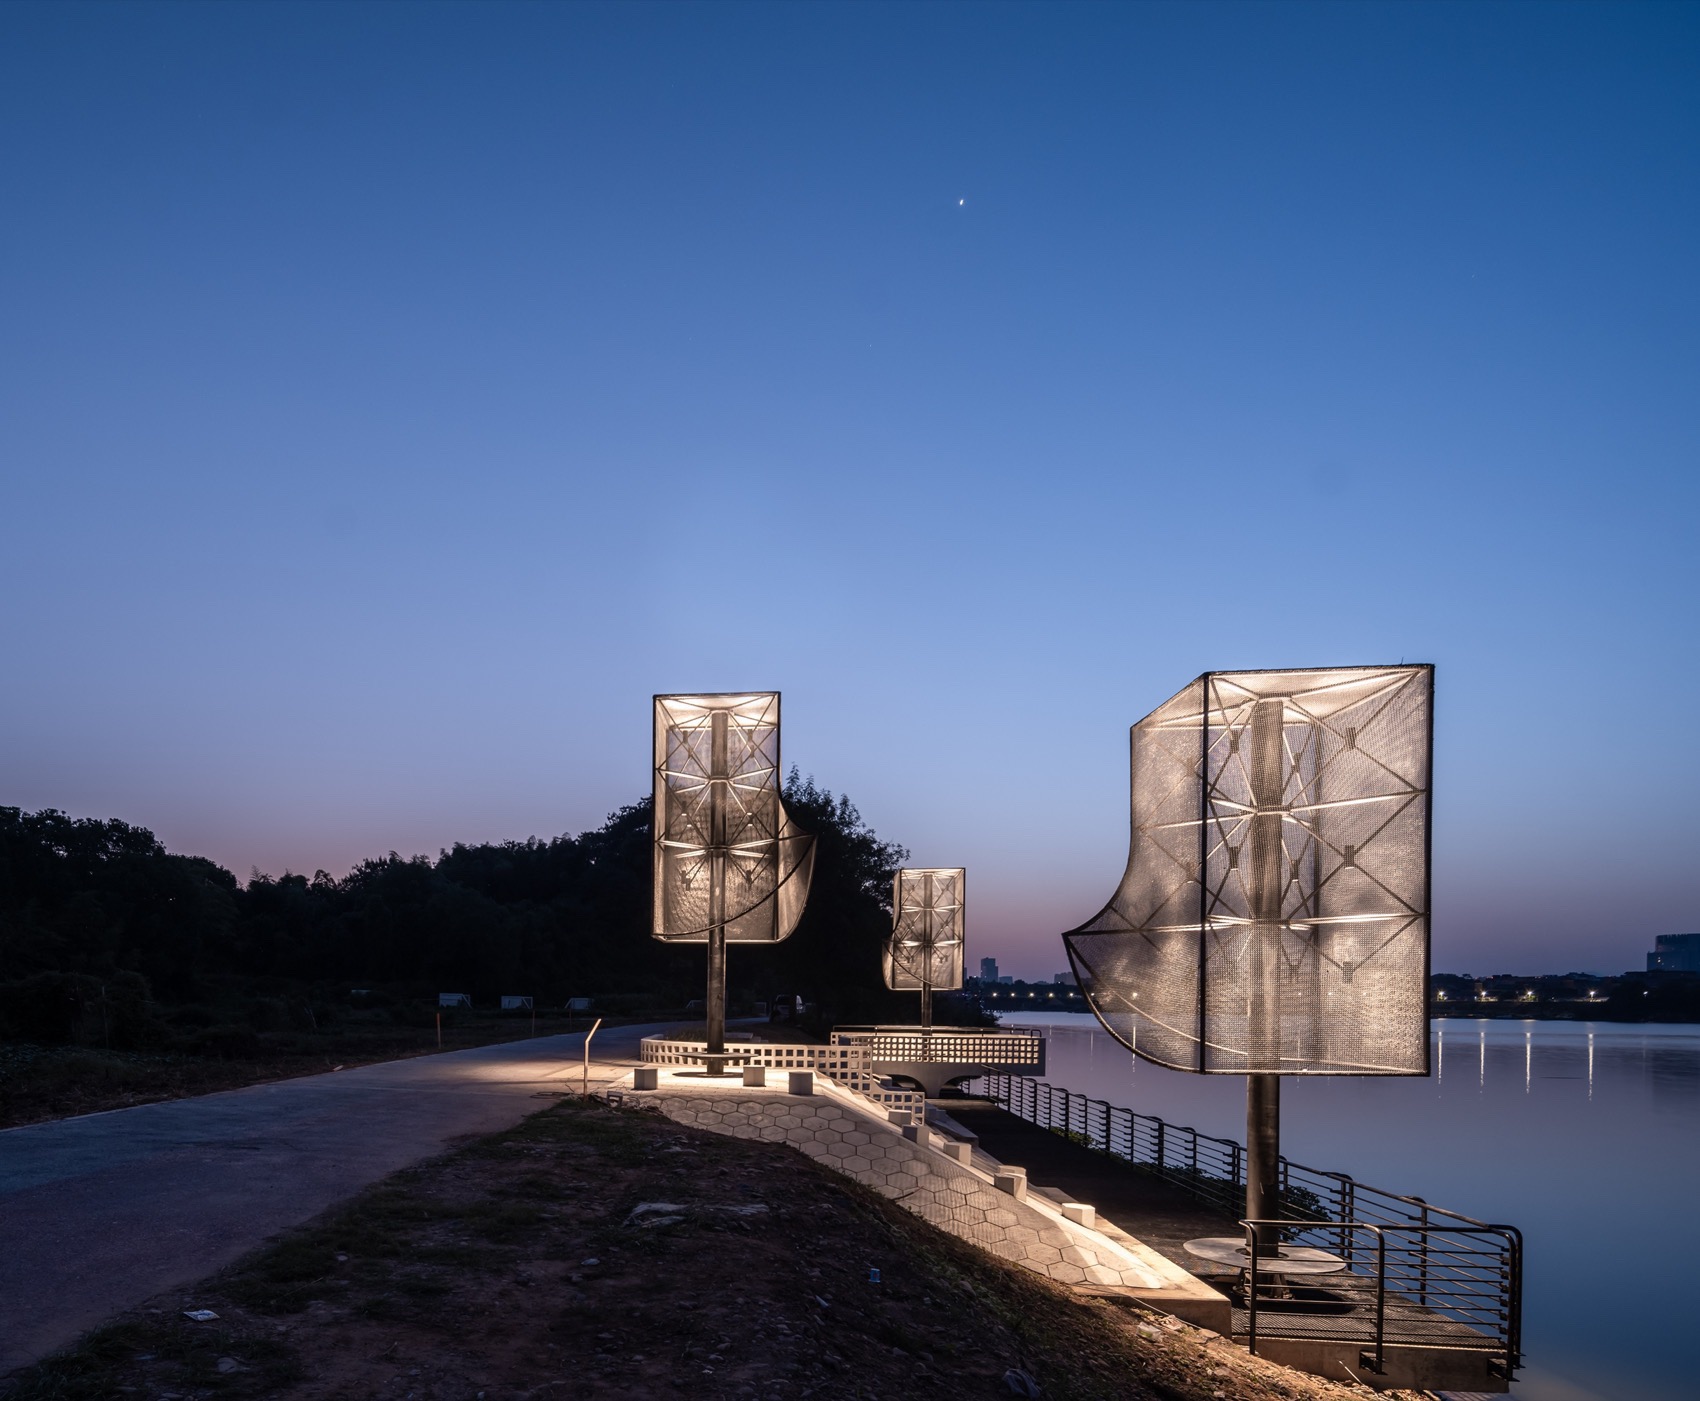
[1080,1214]
[901,1117]
[957,1151]
[918,1134]
[1012,1180]
[755,1076]
[646,1077]
[802,1082]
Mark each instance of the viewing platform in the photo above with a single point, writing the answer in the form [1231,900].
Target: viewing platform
[893,1058]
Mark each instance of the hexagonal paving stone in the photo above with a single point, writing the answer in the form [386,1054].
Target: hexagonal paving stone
[1067,1274]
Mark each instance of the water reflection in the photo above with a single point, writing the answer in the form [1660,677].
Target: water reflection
[1584,1134]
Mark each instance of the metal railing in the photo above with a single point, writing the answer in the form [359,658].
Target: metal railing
[1421,1273]
[969,1046]
[846,1063]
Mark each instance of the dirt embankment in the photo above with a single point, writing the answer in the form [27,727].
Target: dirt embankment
[598,1252]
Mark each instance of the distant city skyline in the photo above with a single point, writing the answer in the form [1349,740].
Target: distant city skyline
[391,392]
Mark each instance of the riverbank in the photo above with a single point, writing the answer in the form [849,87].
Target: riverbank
[540,1262]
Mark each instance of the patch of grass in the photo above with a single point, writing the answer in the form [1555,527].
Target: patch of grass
[180,1355]
[539,1186]
[458,1255]
[504,1222]
[624,1139]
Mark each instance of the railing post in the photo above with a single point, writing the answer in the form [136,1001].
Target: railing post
[1251,1290]
[1380,1303]
[1162,1148]
[1348,1212]
[1422,1257]
[1343,1208]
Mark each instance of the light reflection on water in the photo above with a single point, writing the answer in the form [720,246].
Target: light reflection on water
[1585,1135]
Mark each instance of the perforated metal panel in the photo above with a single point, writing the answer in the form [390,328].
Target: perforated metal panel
[725,849]
[925,948]
[1274,916]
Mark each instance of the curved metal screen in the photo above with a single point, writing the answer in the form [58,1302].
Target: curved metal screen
[925,948]
[1274,916]
[725,851]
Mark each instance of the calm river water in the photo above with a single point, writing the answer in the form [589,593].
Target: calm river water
[1585,1135]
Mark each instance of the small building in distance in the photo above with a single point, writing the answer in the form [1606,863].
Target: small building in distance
[1675,953]
[1064,980]
[988,970]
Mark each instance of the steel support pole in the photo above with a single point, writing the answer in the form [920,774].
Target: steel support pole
[1263,1149]
[715,1004]
[927,951]
[1264,876]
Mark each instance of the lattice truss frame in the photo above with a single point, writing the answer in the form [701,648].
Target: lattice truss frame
[928,924]
[1274,915]
[725,848]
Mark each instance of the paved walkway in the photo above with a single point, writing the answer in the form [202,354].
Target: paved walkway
[101,1212]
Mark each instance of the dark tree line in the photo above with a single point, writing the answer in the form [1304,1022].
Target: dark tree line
[87,904]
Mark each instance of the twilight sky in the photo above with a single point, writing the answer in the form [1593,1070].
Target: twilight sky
[393,397]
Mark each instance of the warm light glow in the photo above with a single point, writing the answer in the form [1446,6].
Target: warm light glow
[1274,912]
[725,850]
[928,911]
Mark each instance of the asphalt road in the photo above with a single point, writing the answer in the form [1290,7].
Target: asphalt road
[101,1212]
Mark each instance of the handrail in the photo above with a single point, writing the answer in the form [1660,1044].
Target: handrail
[1437,1263]
[587,1036]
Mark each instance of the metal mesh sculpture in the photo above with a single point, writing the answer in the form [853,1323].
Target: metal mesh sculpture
[1274,916]
[730,866]
[925,948]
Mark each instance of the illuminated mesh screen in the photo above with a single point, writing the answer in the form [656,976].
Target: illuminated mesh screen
[925,948]
[1274,916]
[726,851]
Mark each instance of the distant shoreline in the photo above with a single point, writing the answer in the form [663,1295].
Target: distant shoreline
[1537,1012]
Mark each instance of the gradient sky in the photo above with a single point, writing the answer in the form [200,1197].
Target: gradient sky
[393,397]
